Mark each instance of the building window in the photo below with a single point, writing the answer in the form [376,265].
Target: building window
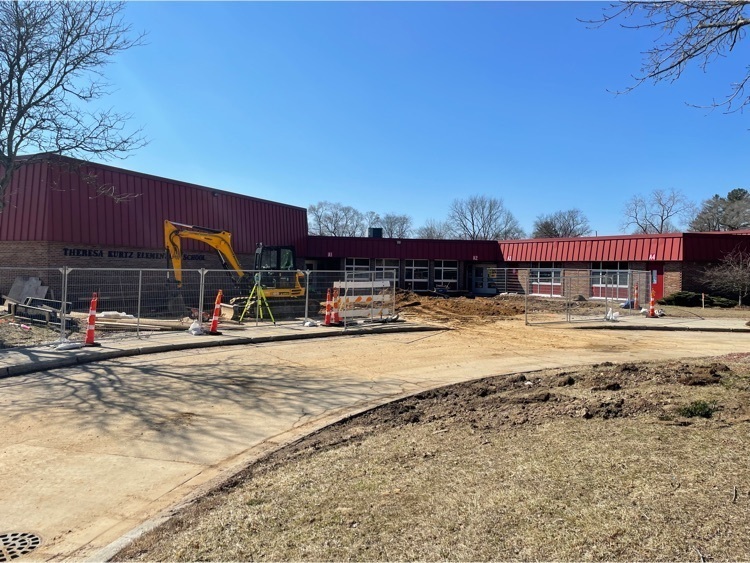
[446,274]
[610,274]
[545,278]
[391,266]
[357,264]
[546,273]
[417,274]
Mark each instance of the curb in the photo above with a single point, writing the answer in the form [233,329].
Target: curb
[88,357]
[662,328]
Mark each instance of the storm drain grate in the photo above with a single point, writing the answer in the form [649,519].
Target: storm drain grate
[17,544]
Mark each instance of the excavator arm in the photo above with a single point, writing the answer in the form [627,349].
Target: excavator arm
[220,241]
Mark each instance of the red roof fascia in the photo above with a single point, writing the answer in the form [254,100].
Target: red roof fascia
[403,249]
[666,247]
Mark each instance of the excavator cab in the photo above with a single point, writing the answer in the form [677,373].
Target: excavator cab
[277,270]
[275,258]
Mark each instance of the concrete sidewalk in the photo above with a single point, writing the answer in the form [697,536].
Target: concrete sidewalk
[20,361]
[25,360]
[667,323]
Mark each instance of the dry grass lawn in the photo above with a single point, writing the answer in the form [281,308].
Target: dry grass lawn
[592,464]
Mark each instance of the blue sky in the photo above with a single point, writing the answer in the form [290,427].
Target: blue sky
[403,107]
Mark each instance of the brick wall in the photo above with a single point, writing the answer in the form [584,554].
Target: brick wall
[523,275]
[672,278]
[577,281]
[27,253]
[692,274]
[56,255]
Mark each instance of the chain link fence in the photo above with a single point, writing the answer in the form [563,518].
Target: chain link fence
[140,302]
[566,295]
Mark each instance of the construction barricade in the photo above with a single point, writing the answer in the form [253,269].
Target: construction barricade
[358,299]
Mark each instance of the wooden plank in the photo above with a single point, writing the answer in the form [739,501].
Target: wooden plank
[364,299]
[359,313]
[362,285]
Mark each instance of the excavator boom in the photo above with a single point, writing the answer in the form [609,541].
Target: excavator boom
[218,240]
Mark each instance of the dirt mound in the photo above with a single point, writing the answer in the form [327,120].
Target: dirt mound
[603,391]
[15,333]
[481,310]
[459,310]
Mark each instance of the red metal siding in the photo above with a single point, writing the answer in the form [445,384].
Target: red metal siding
[25,216]
[711,247]
[402,249]
[53,203]
[595,249]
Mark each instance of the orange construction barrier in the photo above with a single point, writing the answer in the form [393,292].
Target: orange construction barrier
[327,320]
[635,300]
[217,313]
[651,307]
[336,319]
[90,331]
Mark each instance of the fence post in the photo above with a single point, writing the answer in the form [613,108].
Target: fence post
[307,297]
[526,298]
[393,294]
[138,312]
[631,302]
[202,272]
[372,292]
[63,302]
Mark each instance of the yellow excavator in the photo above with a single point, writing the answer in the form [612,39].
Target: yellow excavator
[275,269]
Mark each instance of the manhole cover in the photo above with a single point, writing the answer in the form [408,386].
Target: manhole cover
[17,544]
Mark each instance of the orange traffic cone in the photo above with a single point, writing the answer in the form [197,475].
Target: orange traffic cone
[336,319]
[651,307]
[215,318]
[327,320]
[90,331]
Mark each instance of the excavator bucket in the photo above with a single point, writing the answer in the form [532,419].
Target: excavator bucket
[227,312]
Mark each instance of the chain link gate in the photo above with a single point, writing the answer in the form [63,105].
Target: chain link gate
[552,295]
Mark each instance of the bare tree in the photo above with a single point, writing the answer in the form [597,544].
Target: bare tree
[661,211]
[483,218]
[336,220]
[729,213]
[731,275]
[52,56]
[689,30]
[562,224]
[370,219]
[396,226]
[433,229]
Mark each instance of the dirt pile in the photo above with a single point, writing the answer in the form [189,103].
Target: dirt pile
[460,310]
[604,391]
[468,310]
[15,333]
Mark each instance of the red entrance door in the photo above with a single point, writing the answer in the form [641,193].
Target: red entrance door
[657,278]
